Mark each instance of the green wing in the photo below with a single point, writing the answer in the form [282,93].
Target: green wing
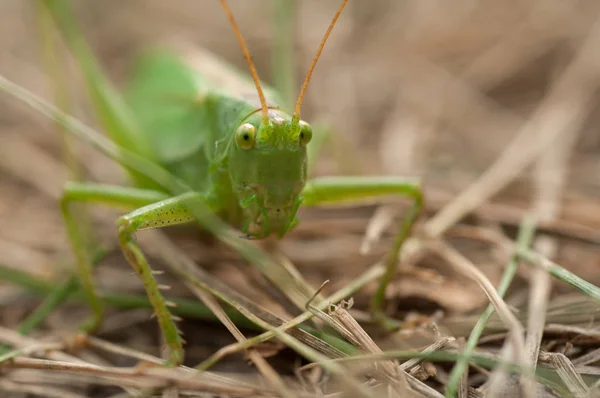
[165,98]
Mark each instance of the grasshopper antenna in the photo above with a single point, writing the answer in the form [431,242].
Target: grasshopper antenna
[236,29]
[296,117]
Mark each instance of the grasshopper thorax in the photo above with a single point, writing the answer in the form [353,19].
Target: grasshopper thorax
[267,166]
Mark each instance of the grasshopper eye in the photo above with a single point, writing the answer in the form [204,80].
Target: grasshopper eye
[245,136]
[305,132]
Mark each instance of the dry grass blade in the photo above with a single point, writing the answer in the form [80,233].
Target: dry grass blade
[468,269]
[107,346]
[340,319]
[421,389]
[527,146]
[567,373]
[11,387]
[31,350]
[370,275]
[535,259]
[524,238]
[185,268]
[144,377]
[512,216]
[15,339]
[263,366]
[551,171]
[590,357]
[297,339]
[315,356]
[440,345]
[538,304]
[53,350]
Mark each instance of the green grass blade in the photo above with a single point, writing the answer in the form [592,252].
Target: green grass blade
[191,309]
[55,298]
[560,272]
[524,239]
[56,71]
[184,307]
[96,140]
[544,374]
[48,36]
[111,110]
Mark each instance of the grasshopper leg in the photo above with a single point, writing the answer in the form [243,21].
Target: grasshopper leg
[154,210]
[170,211]
[339,189]
[111,195]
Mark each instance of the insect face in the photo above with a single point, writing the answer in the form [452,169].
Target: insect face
[267,165]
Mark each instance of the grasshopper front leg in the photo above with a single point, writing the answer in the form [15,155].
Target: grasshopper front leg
[339,189]
[171,211]
[156,212]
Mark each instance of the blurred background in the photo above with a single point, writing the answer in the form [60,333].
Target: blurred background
[427,88]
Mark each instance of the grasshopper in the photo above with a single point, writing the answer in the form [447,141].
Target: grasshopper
[244,157]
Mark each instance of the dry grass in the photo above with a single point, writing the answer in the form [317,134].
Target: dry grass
[493,104]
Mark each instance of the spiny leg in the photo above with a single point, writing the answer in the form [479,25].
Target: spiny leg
[92,193]
[167,212]
[339,189]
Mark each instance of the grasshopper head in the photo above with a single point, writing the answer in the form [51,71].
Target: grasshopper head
[267,162]
[267,165]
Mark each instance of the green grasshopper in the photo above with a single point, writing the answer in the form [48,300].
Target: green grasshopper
[244,158]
